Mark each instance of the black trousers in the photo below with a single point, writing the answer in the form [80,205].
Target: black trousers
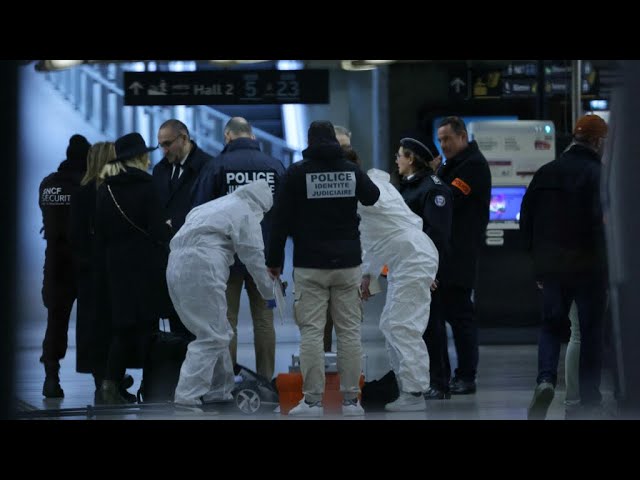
[58,294]
[435,337]
[178,327]
[589,291]
[459,312]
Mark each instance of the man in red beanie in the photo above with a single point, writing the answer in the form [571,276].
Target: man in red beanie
[591,130]
[561,220]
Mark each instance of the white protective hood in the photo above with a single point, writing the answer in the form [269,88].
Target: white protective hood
[258,196]
[380,222]
[228,225]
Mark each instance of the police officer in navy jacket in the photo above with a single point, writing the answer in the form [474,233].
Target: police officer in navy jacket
[317,206]
[431,199]
[241,162]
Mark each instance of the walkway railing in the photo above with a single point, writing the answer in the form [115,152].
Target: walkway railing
[96,92]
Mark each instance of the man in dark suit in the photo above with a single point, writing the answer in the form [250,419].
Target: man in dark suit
[173,179]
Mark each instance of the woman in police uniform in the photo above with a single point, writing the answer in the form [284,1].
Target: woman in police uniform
[428,197]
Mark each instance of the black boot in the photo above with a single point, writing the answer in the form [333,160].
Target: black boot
[51,388]
[435,393]
[111,394]
[99,400]
[457,386]
[126,382]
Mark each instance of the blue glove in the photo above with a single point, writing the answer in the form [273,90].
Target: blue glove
[271,304]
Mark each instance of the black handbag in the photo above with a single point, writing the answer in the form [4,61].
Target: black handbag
[157,243]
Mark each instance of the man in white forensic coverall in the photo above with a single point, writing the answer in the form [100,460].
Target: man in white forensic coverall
[201,254]
[392,234]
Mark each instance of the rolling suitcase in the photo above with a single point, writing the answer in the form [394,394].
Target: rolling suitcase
[162,365]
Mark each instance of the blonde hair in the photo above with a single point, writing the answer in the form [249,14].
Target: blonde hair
[112,169]
[99,154]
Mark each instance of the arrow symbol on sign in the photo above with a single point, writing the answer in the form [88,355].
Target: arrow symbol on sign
[457,83]
[136,87]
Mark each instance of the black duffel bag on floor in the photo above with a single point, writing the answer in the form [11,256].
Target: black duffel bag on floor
[376,394]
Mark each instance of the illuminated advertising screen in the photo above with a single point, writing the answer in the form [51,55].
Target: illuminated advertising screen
[505,203]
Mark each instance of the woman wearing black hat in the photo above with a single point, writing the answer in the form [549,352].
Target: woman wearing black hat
[126,231]
[428,197]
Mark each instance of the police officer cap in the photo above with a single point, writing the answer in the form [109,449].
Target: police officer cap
[78,149]
[129,146]
[421,146]
[590,126]
[321,132]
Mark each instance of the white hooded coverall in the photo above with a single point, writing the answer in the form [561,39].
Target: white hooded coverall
[201,254]
[392,234]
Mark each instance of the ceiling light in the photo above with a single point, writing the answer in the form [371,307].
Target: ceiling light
[379,62]
[50,65]
[356,65]
[361,65]
[236,62]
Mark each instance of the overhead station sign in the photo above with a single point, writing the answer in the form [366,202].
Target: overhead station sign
[233,87]
[520,80]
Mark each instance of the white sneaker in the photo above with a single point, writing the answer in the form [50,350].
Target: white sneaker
[303,409]
[352,408]
[407,402]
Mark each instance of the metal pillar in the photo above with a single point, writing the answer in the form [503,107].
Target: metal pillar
[576,92]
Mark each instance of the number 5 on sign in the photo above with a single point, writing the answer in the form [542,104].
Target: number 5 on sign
[250,88]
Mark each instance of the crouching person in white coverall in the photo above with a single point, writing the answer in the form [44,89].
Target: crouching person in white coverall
[201,254]
[392,234]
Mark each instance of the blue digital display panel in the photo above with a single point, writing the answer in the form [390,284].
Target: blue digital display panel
[505,203]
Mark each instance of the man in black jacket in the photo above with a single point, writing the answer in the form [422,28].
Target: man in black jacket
[241,162]
[467,172]
[174,178]
[59,287]
[562,224]
[317,206]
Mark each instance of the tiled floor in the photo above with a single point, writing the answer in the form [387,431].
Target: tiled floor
[505,381]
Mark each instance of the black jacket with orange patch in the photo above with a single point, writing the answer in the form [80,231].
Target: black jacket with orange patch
[469,177]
